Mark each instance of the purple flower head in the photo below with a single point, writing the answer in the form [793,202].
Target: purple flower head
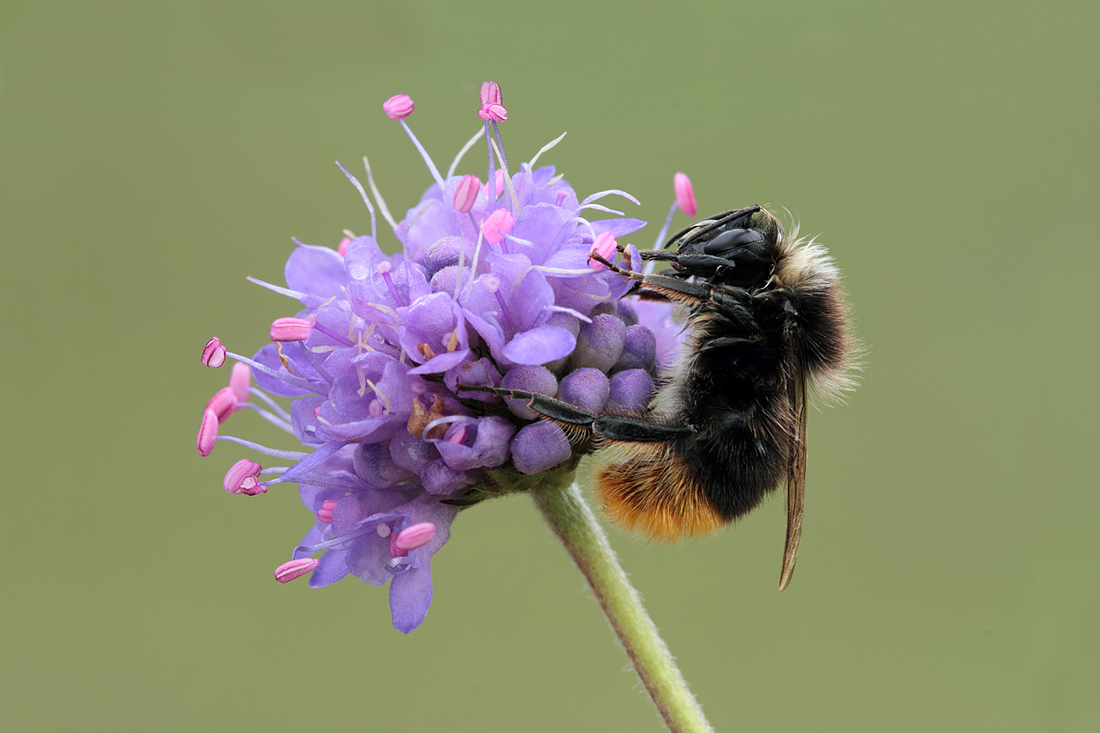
[374,373]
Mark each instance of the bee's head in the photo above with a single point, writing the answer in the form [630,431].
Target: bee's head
[749,239]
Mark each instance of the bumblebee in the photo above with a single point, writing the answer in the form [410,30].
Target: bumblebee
[766,321]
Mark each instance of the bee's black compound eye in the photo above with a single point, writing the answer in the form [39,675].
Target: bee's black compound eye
[731,239]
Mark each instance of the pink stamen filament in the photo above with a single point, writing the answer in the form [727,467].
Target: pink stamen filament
[289,455]
[424,154]
[359,187]
[278,374]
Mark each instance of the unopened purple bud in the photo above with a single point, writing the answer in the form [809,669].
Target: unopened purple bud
[539,447]
[685,195]
[639,349]
[447,251]
[398,107]
[600,343]
[288,571]
[378,465]
[213,354]
[290,329]
[529,378]
[631,391]
[238,472]
[466,193]
[626,313]
[586,388]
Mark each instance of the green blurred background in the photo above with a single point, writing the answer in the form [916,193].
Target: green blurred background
[154,154]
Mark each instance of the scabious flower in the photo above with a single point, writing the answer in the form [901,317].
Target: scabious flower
[382,359]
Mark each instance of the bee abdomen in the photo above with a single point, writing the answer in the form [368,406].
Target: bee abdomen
[654,490]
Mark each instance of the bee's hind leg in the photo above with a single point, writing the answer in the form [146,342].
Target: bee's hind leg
[581,425]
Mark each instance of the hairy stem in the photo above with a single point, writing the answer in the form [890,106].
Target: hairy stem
[572,520]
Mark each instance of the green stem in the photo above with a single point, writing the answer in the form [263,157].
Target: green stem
[572,520]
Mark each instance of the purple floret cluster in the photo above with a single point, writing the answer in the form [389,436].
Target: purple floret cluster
[493,287]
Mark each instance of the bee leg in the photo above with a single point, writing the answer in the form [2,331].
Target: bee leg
[576,423]
[670,287]
[627,429]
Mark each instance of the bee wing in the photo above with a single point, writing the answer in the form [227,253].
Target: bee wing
[796,461]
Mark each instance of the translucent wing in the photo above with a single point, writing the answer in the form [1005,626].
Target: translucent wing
[796,461]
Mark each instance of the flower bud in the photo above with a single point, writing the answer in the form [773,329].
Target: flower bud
[529,378]
[630,391]
[586,388]
[600,343]
[639,349]
[539,447]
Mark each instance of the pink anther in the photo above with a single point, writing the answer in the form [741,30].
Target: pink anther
[251,486]
[466,193]
[458,437]
[497,225]
[413,537]
[288,571]
[223,403]
[343,248]
[398,107]
[208,433]
[290,329]
[685,195]
[213,354]
[605,246]
[238,472]
[324,514]
[492,103]
[240,381]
